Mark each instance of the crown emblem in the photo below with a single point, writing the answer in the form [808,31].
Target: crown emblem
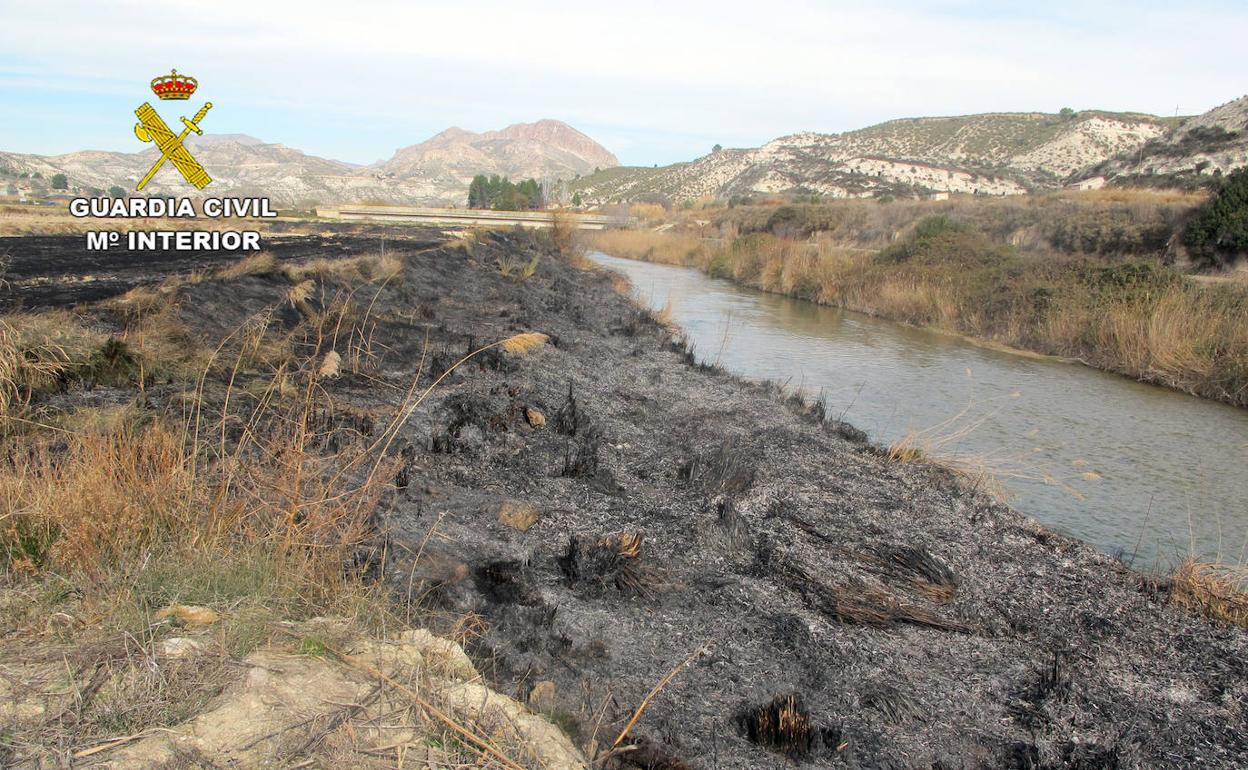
[174,86]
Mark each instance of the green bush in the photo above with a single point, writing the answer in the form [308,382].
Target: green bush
[935,236]
[1218,231]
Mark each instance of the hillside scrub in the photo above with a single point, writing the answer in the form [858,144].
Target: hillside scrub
[1107,223]
[1217,233]
[1135,317]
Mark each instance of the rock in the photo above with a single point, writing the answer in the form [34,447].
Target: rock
[542,697]
[285,699]
[180,647]
[443,657]
[189,615]
[491,710]
[536,419]
[62,624]
[518,514]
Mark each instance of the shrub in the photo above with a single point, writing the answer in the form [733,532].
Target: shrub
[937,237]
[1218,231]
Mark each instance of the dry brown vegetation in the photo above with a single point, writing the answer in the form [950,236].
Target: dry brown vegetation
[1215,590]
[1077,275]
[372,268]
[254,499]
[56,220]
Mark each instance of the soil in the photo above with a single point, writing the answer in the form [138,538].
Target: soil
[58,270]
[820,604]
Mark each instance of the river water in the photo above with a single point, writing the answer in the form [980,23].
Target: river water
[1137,470]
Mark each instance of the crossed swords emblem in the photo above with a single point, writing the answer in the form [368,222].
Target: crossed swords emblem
[151,128]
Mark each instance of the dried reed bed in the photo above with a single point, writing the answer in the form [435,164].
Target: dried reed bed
[1217,591]
[1107,222]
[368,268]
[663,247]
[1135,318]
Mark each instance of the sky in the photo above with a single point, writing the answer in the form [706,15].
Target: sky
[654,82]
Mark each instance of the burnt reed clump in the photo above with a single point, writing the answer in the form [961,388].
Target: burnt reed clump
[784,725]
[728,468]
[571,419]
[610,560]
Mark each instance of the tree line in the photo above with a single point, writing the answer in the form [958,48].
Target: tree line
[502,194]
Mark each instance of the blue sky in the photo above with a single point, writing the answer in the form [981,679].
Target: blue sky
[655,82]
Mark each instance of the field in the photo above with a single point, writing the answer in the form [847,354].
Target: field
[1095,277]
[271,481]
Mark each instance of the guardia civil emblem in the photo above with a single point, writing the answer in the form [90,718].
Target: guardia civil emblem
[152,128]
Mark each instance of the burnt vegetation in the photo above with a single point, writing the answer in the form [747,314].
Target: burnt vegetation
[846,601]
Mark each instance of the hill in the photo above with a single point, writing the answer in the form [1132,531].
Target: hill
[993,154]
[1214,143]
[435,171]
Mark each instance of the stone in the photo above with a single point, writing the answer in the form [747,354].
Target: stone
[180,647]
[536,419]
[542,697]
[518,514]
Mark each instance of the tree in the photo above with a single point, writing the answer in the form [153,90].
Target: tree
[116,192]
[576,199]
[501,194]
[60,182]
[716,148]
[479,193]
[1066,113]
[1218,231]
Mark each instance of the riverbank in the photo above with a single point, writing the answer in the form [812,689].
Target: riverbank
[1082,281]
[634,546]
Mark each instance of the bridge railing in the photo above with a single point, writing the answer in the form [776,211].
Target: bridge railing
[480,217]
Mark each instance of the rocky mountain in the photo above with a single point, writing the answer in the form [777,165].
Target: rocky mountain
[447,162]
[1213,143]
[432,172]
[992,154]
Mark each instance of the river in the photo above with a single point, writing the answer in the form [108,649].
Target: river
[1137,470]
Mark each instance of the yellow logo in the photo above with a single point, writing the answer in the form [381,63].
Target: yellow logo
[151,128]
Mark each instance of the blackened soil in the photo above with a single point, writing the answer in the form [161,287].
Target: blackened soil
[882,614]
[58,270]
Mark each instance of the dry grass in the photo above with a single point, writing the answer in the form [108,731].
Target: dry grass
[648,213]
[260,263]
[39,350]
[239,483]
[369,268]
[565,237]
[1135,317]
[517,268]
[1217,591]
[664,247]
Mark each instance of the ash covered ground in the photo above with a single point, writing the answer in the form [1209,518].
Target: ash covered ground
[603,511]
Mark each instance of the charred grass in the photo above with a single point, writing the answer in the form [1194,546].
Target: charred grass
[221,474]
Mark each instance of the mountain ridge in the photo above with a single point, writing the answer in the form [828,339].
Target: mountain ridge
[436,170]
[996,153]
[989,154]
